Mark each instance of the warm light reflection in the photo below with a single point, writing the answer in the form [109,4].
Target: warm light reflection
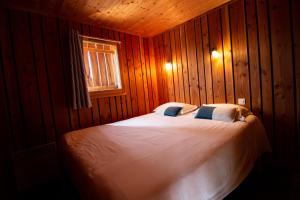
[168,66]
[215,54]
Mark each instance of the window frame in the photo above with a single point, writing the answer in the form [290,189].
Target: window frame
[107,92]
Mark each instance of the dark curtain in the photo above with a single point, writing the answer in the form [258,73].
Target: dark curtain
[80,94]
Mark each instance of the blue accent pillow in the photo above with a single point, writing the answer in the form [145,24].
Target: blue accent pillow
[205,112]
[172,111]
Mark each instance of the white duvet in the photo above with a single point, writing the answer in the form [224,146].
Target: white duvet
[160,157]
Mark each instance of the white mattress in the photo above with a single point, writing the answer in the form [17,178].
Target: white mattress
[159,157]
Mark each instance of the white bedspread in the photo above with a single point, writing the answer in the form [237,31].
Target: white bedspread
[159,157]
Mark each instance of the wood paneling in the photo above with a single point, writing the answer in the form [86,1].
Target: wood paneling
[239,51]
[169,73]
[151,72]
[207,60]
[57,88]
[133,16]
[266,75]
[283,83]
[215,35]
[296,55]
[9,75]
[258,41]
[227,55]
[259,45]
[27,77]
[200,60]
[42,77]
[253,56]
[179,65]
[131,75]
[192,62]
[36,73]
[184,64]
[7,184]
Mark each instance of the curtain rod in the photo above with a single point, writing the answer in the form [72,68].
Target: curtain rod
[101,39]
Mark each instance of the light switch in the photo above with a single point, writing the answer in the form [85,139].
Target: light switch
[241,101]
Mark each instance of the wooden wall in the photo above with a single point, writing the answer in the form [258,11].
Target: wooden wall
[36,82]
[259,42]
[6,170]
[260,61]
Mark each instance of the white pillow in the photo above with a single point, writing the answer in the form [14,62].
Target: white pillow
[241,109]
[225,114]
[186,108]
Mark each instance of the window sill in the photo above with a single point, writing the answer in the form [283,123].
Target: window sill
[106,93]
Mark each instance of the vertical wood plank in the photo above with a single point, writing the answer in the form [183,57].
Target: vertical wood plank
[124,67]
[296,46]
[163,61]
[56,76]
[158,69]
[266,68]
[119,107]
[153,73]
[131,72]
[105,114]
[12,88]
[253,57]
[207,63]
[95,112]
[168,73]
[138,76]
[227,55]
[283,78]
[148,72]
[239,50]
[192,62]
[144,75]
[179,65]
[7,181]
[113,109]
[42,77]
[200,60]
[175,67]
[184,64]
[27,78]
[215,35]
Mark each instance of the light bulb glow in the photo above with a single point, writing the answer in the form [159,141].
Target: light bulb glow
[215,54]
[168,66]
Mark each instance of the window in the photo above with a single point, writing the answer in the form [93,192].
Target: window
[102,67]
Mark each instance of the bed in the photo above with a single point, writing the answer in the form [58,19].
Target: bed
[160,157]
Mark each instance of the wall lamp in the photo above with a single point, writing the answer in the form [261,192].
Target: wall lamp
[168,66]
[215,53]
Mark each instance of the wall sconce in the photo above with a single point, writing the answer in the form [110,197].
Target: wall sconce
[215,53]
[168,66]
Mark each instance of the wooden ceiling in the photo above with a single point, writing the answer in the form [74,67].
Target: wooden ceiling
[142,17]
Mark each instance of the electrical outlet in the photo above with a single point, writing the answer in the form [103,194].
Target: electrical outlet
[241,101]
